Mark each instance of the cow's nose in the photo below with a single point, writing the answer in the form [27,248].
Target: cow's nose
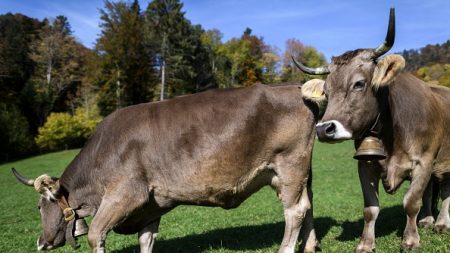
[326,131]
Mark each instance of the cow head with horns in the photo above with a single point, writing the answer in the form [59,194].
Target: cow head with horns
[351,87]
[59,220]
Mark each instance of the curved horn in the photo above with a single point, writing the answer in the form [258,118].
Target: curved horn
[312,71]
[390,37]
[22,179]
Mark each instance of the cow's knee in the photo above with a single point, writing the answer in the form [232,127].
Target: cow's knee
[299,210]
[371,213]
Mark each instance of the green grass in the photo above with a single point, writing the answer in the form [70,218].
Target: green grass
[256,226]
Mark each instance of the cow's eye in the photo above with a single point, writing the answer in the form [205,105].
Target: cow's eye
[359,85]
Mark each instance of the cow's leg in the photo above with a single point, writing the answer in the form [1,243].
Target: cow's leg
[291,183]
[102,223]
[443,220]
[369,177]
[309,240]
[412,201]
[426,219]
[115,206]
[296,205]
[147,236]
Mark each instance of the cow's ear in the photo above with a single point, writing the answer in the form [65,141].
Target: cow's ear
[387,69]
[48,187]
[313,90]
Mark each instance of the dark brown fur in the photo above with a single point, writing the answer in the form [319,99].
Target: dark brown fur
[346,57]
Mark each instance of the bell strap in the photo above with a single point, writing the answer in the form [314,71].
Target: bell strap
[376,127]
[69,216]
[69,213]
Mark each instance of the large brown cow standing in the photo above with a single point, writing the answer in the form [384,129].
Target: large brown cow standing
[214,148]
[413,120]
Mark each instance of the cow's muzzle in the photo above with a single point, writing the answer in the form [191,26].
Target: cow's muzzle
[332,131]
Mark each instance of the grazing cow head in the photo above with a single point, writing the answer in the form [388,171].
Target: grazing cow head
[52,217]
[351,87]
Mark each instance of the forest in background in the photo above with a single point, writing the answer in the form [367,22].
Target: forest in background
[54,90]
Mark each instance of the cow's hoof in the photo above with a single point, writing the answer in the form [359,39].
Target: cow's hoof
[410,245]
[313,247]
[441,228]
[365,248]
[427,222]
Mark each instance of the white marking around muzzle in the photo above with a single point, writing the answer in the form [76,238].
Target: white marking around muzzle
[341,133]
[39,247]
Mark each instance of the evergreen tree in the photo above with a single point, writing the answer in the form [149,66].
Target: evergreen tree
[127,75]
[182,59]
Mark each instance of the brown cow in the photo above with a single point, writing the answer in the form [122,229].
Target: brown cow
[214,148]
[412,118]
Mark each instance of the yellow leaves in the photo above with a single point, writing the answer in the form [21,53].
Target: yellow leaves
[436,74]
[63,130]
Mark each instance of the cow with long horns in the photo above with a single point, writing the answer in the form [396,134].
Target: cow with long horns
[214,148]
[370,96]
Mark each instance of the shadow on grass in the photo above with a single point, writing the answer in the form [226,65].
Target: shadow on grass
[391,219]
[258,237]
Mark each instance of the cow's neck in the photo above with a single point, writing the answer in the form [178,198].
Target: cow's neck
[81,195]
[408,109]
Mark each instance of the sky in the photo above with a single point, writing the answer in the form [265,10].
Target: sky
[332,26]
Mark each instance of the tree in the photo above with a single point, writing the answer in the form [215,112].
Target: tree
[126,73]
[430,63]
[16,67]
[59,66]
[306,54]
[62,130]
[212,40]
[435,74]
[428,55]
[249,60]
[270,61]
[15,137]
[181,58]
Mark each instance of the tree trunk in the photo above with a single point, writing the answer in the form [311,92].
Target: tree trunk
[163,79]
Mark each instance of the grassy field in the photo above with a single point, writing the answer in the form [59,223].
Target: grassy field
[256,226]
